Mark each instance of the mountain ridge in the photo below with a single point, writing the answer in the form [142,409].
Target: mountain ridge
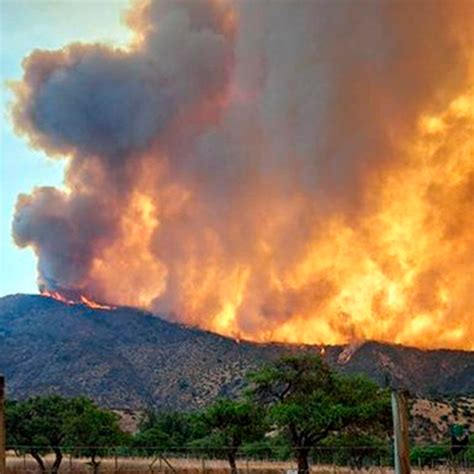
[129,358]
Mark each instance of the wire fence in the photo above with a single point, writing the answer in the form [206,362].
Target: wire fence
[248,460]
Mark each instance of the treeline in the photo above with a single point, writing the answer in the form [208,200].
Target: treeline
[289,407]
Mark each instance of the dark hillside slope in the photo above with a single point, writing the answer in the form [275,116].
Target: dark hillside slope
[130,359]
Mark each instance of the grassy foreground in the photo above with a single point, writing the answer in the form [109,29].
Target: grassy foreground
[20,465]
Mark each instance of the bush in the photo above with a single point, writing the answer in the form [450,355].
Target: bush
[430,455]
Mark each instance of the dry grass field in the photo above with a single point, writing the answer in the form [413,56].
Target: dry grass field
[20,465]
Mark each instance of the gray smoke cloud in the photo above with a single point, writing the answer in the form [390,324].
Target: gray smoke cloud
[103,107]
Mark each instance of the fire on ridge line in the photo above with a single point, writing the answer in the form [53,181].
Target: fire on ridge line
[344,357]
[80,300]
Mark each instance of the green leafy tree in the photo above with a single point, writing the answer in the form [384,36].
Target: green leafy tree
[272,446]
[164,431]
[94,430]
[309,402]
[229,424]
[355,450]
[38,426]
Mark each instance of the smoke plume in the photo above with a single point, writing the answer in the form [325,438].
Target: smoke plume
[275,170]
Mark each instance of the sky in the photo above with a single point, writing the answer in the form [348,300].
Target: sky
[26,25]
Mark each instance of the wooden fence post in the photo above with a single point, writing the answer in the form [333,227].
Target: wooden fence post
[3,435]
[400,431]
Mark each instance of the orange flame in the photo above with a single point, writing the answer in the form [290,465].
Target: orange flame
[94,304]
[82,300]
[402,273]
[57,296]
[399,270]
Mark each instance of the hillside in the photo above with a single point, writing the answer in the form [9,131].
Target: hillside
[126,358]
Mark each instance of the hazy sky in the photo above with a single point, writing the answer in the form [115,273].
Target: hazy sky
[25,26]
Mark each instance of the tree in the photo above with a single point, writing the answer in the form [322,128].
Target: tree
[309,402]
[355,450]
[164,431]
[37,426]
[94,430]
[229,423]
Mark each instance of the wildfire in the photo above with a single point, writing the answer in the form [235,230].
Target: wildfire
[81,300]
[264,175]
[401,274]
[94,304]
[346,355]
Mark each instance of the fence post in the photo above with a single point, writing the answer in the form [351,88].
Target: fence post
[400,431]
[3,435]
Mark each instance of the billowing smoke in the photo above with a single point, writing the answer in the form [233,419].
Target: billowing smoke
[103,109]
[277,170]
